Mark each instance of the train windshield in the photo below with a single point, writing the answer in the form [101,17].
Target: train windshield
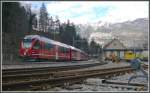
[27,43]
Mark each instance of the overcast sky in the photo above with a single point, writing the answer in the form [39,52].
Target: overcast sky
[94,11]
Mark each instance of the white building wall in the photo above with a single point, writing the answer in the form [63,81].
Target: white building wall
[115,45]
[122,55]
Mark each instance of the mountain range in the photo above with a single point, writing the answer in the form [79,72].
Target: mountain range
[130,33]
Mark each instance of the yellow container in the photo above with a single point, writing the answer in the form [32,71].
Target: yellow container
[129,55]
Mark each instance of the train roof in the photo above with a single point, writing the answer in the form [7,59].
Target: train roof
[73,48]
[47,40]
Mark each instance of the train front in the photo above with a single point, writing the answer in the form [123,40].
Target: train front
[25,48]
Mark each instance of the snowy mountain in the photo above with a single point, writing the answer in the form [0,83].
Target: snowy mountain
[131,33]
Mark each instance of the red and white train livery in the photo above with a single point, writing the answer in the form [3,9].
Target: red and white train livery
[39,47]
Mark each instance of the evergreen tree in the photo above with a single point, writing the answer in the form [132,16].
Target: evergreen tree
[67,32]
[95,49]
[43,18]
[31,17]
[85,46]
[14,26]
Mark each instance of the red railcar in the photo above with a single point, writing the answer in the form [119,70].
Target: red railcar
[39,47]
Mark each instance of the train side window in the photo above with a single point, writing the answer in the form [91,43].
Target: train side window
[48,46]
[36,45]
[63,50]
[66,50]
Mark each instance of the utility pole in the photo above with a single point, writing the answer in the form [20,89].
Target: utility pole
[134,46]
[54,33]
[73,42]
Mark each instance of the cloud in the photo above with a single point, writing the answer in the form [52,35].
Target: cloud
[76,11]
[112,11]
[126,11]
[94,11]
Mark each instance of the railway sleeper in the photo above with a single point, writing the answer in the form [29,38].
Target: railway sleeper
[87,71]
[94,74]
[80,73]
[62,80]
[26,79]
[68,83]
[115,84]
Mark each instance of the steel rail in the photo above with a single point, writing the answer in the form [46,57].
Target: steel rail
[60,72]
[121,83]
[57,68]
[61,80]
[7,78]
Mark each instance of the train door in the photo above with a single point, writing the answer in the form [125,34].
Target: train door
[73,55]
[42,50]
[78,55]
[49,51]
[56,52]
[36,51]
[67,53]
[70,52]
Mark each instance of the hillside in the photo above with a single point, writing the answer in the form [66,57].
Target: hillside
[131,33]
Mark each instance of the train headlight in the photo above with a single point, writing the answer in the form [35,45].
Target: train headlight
[25,53]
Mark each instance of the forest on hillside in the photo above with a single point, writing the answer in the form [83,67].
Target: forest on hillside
[18,21]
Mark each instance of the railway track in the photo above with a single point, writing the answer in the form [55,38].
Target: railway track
[46,69]
[49,74]
[42,81]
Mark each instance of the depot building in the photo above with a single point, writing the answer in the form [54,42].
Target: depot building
[115,48]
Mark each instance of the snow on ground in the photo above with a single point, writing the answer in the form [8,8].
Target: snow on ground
[126,77]
[95,84]
[91,88]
